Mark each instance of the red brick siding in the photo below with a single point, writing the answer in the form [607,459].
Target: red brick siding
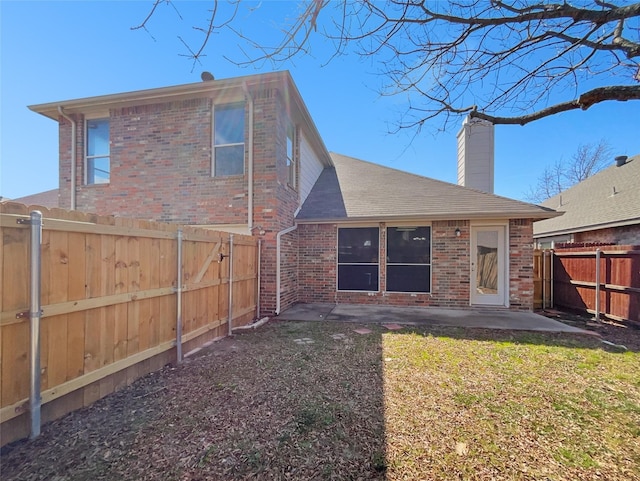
[450,269]
[317,262]
[161,168]
[449,274]
[64,146]
[629,234]
[288,269]
[275,202]
[521,264]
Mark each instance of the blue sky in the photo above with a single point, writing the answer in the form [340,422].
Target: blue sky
[61,50]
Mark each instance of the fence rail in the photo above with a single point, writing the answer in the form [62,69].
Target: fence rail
[109,297]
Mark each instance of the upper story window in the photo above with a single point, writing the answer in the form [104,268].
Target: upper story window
[97,162]
[228,140]
[291,157]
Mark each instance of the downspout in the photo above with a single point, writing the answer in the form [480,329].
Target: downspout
[278,242]
[73,156]
[250,160]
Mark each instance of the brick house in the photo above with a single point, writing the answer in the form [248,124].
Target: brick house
[243,155]
[604,208]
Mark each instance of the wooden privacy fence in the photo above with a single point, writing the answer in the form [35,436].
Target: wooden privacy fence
[110,292]
[602,280]
[542,279]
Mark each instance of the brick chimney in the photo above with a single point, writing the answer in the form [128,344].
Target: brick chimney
[475,154]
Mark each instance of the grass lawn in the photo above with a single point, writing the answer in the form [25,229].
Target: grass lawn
[302,401]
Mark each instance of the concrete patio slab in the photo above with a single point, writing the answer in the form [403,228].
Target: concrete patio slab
[472,317]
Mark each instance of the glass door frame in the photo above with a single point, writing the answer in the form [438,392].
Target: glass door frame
[500,297]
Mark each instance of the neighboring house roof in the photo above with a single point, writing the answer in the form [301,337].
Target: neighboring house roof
[358,190]
[47,199]
[592,204]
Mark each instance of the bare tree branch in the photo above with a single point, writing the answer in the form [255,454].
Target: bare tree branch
[506,61]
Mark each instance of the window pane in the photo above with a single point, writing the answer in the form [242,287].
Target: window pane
[97,137]
[408,278]
[409,245]
[289,146]
[357,278]
[358,245]
[487,262]
[229,124]
[229,160]
[98,170]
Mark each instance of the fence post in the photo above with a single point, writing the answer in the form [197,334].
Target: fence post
[179,301]
[598,284]
[35,314]
[230,284]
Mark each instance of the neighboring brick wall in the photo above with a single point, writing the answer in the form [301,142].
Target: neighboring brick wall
[521,264]
[629,234]
[450,268]
[64,146]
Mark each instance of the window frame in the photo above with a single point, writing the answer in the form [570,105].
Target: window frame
[338,263]
[392,264]
[88,158]
[214,146]
[292,158]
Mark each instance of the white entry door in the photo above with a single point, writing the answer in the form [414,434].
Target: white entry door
[488,254]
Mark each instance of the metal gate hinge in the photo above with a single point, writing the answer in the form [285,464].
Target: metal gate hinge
[24,314]
[25,222]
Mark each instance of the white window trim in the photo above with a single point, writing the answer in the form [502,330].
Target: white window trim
[213,140]
[356,226]
[86,149]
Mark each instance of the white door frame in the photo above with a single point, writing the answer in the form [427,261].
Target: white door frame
[501,297]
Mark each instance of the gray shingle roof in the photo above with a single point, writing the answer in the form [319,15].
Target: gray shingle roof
[357,190]
[591,204]
[47,199]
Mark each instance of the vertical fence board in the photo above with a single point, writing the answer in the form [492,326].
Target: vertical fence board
[15,361]
[121,310]
[76,320]
[15,294]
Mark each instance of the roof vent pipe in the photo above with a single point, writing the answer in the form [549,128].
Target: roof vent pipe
[621,160]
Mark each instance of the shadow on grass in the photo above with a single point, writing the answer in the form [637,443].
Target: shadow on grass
[289,401]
